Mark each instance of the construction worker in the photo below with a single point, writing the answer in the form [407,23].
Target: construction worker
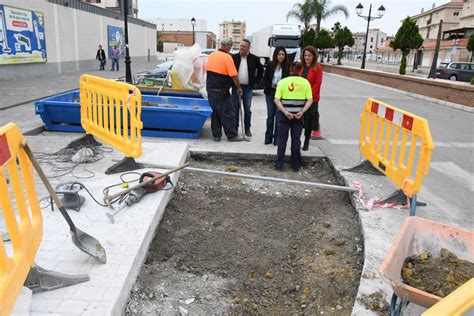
[293,97]
[221,72]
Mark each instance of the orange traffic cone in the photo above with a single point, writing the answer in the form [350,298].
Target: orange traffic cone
[317,134]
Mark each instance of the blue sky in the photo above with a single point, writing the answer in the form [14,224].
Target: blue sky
[261,13]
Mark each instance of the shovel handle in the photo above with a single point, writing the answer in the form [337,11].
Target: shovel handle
[109,198]
[48,186]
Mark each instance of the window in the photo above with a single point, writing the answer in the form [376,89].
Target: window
[456,13]
[371,39]
[454,66]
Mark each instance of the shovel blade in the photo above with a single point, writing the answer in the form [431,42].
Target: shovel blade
[89,245]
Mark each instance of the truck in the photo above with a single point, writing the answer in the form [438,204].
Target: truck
[265,41]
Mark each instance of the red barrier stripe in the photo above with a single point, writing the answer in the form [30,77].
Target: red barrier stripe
[375,107]
[389,114]
[5,154]
[407,122]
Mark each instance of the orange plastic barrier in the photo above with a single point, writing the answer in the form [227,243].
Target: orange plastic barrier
[20,207]
[397,143]
[111,111]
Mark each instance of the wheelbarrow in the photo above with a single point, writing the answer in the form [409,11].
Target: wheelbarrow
[416,236]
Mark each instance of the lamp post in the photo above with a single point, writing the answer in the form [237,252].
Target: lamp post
[128,70]
[380,13]
[193,22]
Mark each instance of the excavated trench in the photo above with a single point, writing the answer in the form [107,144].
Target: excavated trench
[236,246]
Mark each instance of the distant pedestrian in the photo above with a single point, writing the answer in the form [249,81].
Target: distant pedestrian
[293,97]
[100,56]
[276,70]
[221,73]
[250,73]
[116,54]
[312,71]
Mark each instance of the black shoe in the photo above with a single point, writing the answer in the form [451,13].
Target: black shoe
[217,139]
[248,133]
[267,142]
[305,147]
[296,169]
[278,168]
[236,139]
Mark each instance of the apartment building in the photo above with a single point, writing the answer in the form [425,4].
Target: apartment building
[234,29]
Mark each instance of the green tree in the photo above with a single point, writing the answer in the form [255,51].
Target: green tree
[342,37]
[322,9]
[470,45]
[323,40]
[408,37]
[302,12]
[308,37]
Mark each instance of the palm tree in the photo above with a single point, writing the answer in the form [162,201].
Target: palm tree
[321,10]
[302,12]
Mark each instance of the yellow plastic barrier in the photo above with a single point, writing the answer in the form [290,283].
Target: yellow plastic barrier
[111,111]
[458,303]
[397,143]
[22,215]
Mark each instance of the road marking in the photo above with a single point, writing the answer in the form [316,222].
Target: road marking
[453,171]
[437,144]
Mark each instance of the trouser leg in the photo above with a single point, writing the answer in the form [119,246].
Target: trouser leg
[247,102]
[228,117]
[216,125]
[283,128]
[271,108]
[296,129]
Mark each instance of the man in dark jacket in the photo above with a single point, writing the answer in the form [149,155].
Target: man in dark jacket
[100,56]
[250,73]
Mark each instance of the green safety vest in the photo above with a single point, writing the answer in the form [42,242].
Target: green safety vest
[293,92]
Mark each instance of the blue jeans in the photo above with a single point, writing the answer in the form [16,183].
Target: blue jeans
[247,100]
[115,62]
[271,134]
[295,127]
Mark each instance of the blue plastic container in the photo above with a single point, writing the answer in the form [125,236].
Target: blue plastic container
[171,117]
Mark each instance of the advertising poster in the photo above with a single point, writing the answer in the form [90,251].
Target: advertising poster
[22,36]
[114,37]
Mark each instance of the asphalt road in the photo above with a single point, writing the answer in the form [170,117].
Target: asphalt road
[448,189]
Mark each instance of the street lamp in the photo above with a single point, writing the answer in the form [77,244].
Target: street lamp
[128,70]
[193,22]
[380,13]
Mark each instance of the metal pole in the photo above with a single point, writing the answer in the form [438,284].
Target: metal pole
[254,177]
[128,70]
[193,35]
[434,63]
[366,38]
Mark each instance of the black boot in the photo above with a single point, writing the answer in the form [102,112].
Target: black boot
[306,144]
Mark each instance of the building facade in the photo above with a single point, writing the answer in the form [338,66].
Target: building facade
[114,5]
[234,29]
[428,21]
[173,40]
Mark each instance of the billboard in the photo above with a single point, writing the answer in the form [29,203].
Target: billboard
[22,36]
[114,37]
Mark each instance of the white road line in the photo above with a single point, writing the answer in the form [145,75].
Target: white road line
[453,171]
[363,97]
[437,144]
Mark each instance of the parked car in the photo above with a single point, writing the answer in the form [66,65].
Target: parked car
[161,70]
[455,71]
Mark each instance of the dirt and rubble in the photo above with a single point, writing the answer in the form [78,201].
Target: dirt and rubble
[438,275]
[237,246]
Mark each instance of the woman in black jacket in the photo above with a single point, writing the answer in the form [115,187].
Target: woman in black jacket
[276,70]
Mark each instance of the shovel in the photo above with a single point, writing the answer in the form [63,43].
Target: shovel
[82,240]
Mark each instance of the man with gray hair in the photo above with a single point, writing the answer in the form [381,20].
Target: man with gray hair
[221,73]
[250,73]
